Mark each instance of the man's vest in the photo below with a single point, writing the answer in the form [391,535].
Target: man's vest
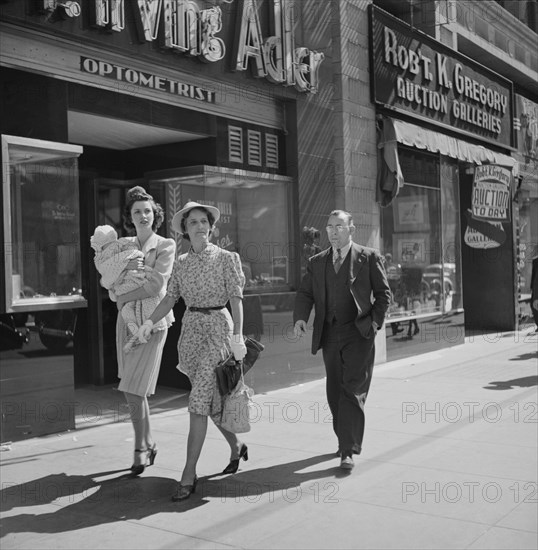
[339,304]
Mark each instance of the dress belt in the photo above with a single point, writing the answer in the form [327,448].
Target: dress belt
[205,310]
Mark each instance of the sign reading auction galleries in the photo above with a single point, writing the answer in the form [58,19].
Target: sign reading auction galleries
[420,76]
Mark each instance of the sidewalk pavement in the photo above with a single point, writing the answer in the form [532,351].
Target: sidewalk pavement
[449,461]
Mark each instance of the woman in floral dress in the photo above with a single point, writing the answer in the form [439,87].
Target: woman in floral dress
[207,278]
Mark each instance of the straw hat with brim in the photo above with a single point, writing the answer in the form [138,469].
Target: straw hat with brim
[178,216]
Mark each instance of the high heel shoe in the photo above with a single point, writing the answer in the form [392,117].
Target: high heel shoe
[185,491]
[152,454]
[234,464]
[137,469]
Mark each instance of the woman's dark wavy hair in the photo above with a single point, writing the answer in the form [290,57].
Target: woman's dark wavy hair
[136,194]
[210,219]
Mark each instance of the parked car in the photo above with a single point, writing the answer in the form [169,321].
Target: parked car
[440,278]
[11,335]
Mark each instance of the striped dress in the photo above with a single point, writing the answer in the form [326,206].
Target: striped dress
[138,369]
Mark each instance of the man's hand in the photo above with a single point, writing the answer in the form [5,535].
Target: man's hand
[375,326]
[300,328]
[237,344]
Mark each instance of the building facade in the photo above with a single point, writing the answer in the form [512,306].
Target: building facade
[455,87]
[276,112]
[194,100]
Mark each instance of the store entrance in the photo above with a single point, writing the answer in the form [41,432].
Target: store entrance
[122,141]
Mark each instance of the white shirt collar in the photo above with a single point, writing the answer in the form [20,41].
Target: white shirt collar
[343,251]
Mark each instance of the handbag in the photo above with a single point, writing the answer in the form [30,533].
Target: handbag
[229,371]
[236,409]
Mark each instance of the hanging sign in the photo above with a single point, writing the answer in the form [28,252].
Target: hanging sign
[490,206]
[417,75]
[184,27]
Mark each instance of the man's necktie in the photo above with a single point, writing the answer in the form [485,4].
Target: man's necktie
[338,261]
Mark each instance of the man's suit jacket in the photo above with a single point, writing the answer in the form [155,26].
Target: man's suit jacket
[368,287]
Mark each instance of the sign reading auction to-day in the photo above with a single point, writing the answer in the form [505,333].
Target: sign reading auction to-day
[490,206]
[420,76]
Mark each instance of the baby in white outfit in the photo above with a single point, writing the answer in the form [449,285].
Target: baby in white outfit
[111,258]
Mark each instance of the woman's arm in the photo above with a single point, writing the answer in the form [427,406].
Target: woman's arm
[165,305]
[236,304]
[158,278]
[234,280]
[137,294]
[237,342]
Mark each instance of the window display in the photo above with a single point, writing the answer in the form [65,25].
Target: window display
[254,218]
[41,224]
[420,231]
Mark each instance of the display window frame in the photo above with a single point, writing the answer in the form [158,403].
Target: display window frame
[414,240]
[18,150]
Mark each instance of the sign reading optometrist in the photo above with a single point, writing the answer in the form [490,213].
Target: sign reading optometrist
[184,27]
[420,76]
[490,206]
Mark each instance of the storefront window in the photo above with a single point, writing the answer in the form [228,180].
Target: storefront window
[420,232]
[528,239]
[41,224]
[254,218]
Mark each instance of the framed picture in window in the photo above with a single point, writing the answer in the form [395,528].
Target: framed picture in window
[411,214]
[411,248]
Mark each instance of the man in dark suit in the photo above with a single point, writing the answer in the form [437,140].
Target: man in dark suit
[348,287]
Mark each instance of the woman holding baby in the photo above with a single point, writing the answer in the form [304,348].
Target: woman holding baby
[138,367]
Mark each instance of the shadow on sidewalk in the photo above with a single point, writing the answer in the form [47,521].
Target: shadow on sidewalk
[525,382]
[525,356]
[84,501]
[279,481]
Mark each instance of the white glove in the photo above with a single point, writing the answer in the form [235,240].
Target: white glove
[144,332]
[238,346]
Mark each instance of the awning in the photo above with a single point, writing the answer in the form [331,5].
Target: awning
[393,130]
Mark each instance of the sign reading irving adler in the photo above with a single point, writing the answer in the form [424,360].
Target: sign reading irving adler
[184,27]
[418,75]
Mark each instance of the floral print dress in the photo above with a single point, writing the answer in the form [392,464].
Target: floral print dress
[206,279]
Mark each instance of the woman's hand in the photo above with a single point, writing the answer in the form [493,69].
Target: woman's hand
[144,332]
[136,264]
[238,346]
